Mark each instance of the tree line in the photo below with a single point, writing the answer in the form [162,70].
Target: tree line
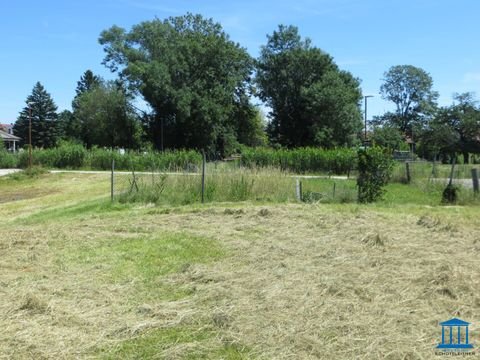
[199,88]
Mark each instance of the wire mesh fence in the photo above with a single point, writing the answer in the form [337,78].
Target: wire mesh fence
[228,181]
[411,171]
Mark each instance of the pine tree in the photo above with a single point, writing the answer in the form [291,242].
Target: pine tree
[45,130]
[87,82]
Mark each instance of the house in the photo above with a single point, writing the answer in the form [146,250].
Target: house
[8,128]
[8,138]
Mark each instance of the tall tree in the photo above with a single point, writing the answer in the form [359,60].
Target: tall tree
[190,73]
[88,81]
[45,129]
[410,89]
[106,117]
[313,102]
[455,128]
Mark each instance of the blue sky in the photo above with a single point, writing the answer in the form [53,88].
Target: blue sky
[55,41]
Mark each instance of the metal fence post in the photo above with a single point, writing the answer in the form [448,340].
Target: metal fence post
[204,160]
[112,177]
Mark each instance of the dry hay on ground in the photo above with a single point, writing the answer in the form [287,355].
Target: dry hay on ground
[297,282]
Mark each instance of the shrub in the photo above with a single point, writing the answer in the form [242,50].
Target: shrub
[375,166]
[69,155]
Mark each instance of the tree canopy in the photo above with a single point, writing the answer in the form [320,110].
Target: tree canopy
[192,75]
[45,129]
[410,89]
[106,118]
[313,102]
[87,82]
[455,128]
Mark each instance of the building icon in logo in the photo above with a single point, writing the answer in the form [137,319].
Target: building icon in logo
[453,328]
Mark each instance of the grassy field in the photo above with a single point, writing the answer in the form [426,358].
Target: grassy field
[256,279]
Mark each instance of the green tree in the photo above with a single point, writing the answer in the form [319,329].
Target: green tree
[107,118]
[389,137]
[88,81]
[65,125]
[410,89]
[455,128]
[191,74]
[45,127]
[313,102]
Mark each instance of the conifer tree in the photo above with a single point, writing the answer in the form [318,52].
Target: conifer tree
[45,131]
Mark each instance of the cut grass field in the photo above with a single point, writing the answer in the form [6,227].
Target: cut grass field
[83,278]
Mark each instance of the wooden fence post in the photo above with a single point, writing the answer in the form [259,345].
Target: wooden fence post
[407,167]
[298,189]
[475,180]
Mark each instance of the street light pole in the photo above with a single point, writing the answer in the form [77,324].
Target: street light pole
[366,97]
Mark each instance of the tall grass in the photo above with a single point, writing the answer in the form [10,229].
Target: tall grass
[74,156]
[7,159]
[423,170]
[225,186]
[302,160]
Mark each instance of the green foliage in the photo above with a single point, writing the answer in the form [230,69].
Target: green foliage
[7,159]
[375,166]
[73,156]
[301,160]
[87,82]
[410,89]
[388,136]
[191,74]
[69,155]
[45,127]
[454,128]
[313,102]
[449,195]
[105,118]
[241,189]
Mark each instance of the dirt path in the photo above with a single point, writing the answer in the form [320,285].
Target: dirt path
[4,172]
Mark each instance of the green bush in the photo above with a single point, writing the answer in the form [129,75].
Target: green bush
[7,160]
[375,167]
[302,160]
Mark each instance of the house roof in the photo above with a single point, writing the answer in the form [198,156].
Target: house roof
[454,322]
[9,137]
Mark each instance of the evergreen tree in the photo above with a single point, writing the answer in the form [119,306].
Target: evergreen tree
[45,130]
[87,82]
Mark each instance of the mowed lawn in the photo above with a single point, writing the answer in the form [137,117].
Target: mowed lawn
[83,278]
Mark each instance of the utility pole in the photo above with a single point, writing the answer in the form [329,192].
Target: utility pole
[366,97]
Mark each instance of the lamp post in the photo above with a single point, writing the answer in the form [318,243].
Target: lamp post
[366,97]
[30,103]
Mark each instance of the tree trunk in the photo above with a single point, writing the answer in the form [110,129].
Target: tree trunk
[466,157]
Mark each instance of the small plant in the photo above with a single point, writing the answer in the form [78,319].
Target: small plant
[241,189]
[375,168]
[449,195]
